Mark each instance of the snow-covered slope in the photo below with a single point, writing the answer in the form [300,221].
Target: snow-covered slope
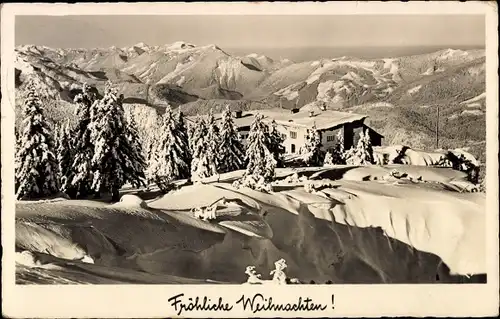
[341,224]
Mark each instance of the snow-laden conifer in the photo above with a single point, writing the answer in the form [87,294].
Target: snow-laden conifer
[276,146]
[78,179]
[171,162]
[36,164]
[113,154]
[137,154]
[182,129]
[313,154]
[260,160]
[212,141]
[338,152]
[205,148]
[65,154]
[363,153]
[231,151]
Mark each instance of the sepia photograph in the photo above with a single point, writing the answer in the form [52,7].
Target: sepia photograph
[249,149]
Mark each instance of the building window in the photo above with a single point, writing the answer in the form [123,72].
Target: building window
[283,136]
[293,135]
[293,148]
[330,138]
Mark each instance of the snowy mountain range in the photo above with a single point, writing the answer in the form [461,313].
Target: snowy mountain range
[400,94]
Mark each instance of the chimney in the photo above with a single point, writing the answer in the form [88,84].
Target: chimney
[295,110]
[237,114]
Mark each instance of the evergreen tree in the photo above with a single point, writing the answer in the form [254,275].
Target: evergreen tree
[36,165]
[260,160]
[182,130]
[313,148]
[113,154]
[152,145]
[338,154]
[363,153]
[205,147]
[191,128]
[197,145]
[78,178]
[64,154]
[232,156]
[137,155]
[276,144]
[171,162]
[212,141]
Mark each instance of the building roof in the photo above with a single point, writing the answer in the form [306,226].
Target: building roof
[322,119]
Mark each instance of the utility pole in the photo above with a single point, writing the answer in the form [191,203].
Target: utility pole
[437,128]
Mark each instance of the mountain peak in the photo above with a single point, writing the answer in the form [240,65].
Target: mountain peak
[141,45]
[181,45]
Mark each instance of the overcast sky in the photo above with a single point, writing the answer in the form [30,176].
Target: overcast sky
[252,31]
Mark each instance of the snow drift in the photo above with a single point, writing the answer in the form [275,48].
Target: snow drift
[340,224]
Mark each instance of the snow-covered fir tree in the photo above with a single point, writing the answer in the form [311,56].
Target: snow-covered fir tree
[338,152]
[197,146]
[212,141]
[205,148]
[171,160]
[182,129]
[276,144]
[113,154]
[36,164]
[363,153]
[336,155]
[191,128]
[137,154]
[65,154]
[78,179]
[313,152]
[152,145]
[231,150]
[260,160]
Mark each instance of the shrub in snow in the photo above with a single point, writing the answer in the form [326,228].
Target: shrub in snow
[313,154]
[209,212]
[253,276]
[294,178]
[254,182]
[363,153]
[279,276]
[78,181]
[205,148]
[172,154]
[113,154]
[328,161]
[231,151]
[313,186]
[36,165]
